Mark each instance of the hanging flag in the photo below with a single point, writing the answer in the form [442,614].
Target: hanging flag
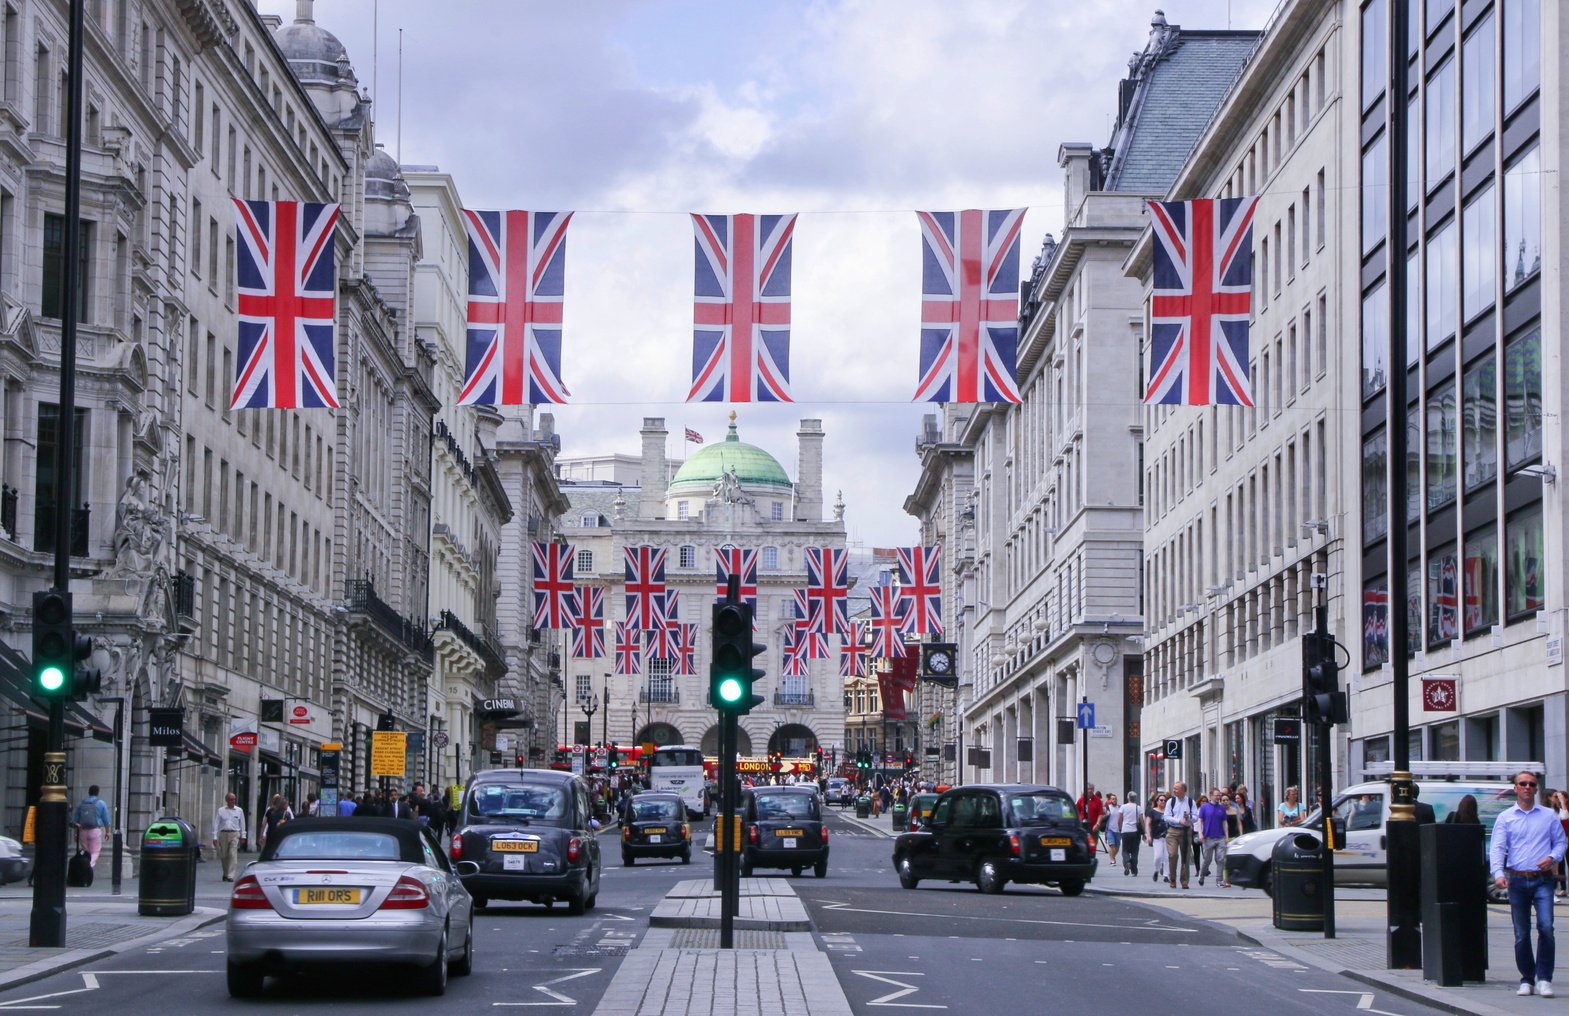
[741,308]
[887,623]
[661,642]
[554,602]
[629,649]
[588,623]
[686,650]
[741,563]
[1200,302]
[693,436]
[969,305]
[920,585]
[794,655]
[517,272]
[828,590]
[852,652]
[285,277]
[645,587]
[670,604]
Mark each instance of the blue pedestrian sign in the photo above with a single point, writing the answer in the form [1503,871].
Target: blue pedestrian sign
[1086,716]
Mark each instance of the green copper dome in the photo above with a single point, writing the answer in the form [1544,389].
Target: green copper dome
[752,465]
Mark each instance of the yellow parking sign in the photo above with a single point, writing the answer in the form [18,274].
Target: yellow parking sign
[388,752]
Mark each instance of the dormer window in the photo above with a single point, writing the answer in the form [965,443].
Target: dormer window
[591,520]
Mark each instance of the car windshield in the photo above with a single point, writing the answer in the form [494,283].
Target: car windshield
[519,803]
[1041,809]
[786,806]
[656,811]
[337,846]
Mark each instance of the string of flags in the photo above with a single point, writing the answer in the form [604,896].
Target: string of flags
[741,340]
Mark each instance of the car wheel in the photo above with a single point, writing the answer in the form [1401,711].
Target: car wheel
[686,856]
[577,904]
[906,868]
[593,898]
[988,879]
[1071,886]
[746,867]
[1266,882]
[465,966]
[820,869]
[432,978]
[245,980]
[480,903]
[796,872]
[627,860]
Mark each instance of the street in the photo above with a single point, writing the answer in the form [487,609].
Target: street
[942,946]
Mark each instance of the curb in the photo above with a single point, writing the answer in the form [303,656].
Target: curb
[739,923]
[40,969]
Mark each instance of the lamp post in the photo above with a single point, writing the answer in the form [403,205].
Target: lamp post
[604,730]
[590,706]
[118,848]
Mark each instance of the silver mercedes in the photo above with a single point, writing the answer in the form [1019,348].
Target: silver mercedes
[345,891]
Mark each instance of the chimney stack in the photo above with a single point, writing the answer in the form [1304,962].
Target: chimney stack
[809,478]
[656,469]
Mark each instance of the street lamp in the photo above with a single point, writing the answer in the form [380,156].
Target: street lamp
[604,730]
[590,705]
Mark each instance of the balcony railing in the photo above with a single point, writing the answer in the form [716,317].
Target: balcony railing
[488,651]
[795,698]
[660,696]
[362,597]
[43,536]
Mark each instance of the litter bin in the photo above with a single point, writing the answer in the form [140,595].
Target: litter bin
[901,818]
[1298,875]
[167,884]
[863,807]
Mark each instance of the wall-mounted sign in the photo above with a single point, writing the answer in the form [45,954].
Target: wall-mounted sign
[244,742]
[299,714]
[165,727]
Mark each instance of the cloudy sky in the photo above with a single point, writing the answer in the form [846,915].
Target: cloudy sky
[853,113]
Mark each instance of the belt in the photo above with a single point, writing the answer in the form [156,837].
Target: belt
[1528,874]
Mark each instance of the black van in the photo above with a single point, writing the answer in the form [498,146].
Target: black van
[783,827]
[533,834]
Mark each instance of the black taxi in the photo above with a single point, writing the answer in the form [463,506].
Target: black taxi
[533,834]
[783,827]
[993,834]
[654,824]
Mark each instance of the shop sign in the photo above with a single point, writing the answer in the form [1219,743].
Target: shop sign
[165,727]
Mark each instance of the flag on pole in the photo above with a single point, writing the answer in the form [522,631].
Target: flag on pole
[517,272]
[588,623]
[741,308]
[852,651]
[686,650]
[554,601]
[286,282]
[741,563]
[969,305]
[693,436]
[887,623]
[920,585]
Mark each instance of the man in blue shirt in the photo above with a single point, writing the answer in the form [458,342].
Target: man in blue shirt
[1528,844]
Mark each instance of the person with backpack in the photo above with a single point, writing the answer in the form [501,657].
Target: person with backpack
[90,820]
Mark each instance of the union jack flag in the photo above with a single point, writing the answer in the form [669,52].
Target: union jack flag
[629,649]
[828,590]
[645,587]
[1476,579]
[887,623]
[1200,303]
[812,644]
[741,308]
[795,656]
[741,563]
[852,652]
[922,589]
[1375,627]
[686,651]
[554,601]
[662,641]
[969,305]
[670,605]
[1446,601]
[588,623]
[287,286]
[517,271]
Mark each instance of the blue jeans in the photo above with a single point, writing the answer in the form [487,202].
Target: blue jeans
[1524,893]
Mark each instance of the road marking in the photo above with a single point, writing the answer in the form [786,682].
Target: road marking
[886,976]
[1364,999]
[89,981]
[845,908]
[559,999]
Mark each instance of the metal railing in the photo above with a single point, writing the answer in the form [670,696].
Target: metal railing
[184,596]
[43,535]
[362,597]
[487,650]
[660,696]
[795,698]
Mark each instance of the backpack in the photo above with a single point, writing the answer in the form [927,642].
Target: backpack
[87,814]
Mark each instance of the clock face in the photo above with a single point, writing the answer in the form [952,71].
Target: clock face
[939,661]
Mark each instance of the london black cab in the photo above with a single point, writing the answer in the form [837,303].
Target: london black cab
[993,834]
[654,825]
[532,833]
[783,827]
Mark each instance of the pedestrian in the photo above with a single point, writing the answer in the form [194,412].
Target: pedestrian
[89,820]
[1244,802]
[1182,816]
[1560,802]
[228,826]
[1090,810]
[347,805]
[278,812]
[1465,813]
[1110,829]
[1212,833]
[1289,813]
[1528,844]
[1155,835]
[312,805]
[1130,831]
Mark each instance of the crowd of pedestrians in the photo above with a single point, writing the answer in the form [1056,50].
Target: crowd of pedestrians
[1181,832]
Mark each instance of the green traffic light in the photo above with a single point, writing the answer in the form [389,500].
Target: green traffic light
[730,690]
[51,679]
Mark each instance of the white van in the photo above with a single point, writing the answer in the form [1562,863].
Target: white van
[1364,808]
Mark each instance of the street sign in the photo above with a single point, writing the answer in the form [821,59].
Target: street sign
[388,752]
[1439,695]
[1086,715]
[166,727]
[440,738]
[1173,748]
[1288,730]
[577,761]
[1101,730]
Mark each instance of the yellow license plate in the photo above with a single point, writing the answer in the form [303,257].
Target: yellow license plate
[515,846]
[313,897]
[791,832]
[655,829]
[1056,841]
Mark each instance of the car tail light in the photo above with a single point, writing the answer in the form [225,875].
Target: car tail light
[686,831]
[1013,843]
[825,832]
[626,832]
[456,852]
[574,850]
[751,833]
[407,894]
[248,895]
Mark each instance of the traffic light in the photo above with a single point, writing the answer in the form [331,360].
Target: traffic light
[612,756]
[731,675]
[56,648]
[1322,700]
[518,758]
[909,761]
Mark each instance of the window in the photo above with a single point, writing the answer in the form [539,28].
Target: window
[1442,283]
[50,304]
[1478,86]
[585,562]
[777,512]
[1523,553]
[196,237]
[1522,51]
[682,511]
[1375,193]
[1481,580]
[1440,131]
[46,487]
[1413,156]
[1375,623]
[1413,464]
[1413,608]
[771,558]
[1443,596]
[1375,341]
[1523,399]
[1375,486]
[1375,51]
[1479,253]
[585,687]
[688,556]
[1479,438]
[1523,219]
[590,520]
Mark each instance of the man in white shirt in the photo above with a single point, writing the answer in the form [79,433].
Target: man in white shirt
[227,828]
[1528,845]
[1182,815]
[1129,820]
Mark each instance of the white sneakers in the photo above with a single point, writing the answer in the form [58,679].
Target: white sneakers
[1525,988]
[1543,988]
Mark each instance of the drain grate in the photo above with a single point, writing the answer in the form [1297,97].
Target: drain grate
[590,951]
[708,938]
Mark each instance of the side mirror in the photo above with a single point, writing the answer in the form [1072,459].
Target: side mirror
[467,868]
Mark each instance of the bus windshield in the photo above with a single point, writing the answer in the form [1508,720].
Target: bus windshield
[676,757]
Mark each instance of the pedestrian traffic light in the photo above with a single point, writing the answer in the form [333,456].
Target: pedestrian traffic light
[518,759]
[1322,700]
[56,648]
[731,675]
[613,758]
[909,761]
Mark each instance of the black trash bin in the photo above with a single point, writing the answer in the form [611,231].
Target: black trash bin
[901,817]
[863,807]
[167,884]
[1298,875]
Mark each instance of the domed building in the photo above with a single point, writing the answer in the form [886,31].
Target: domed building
[729,493]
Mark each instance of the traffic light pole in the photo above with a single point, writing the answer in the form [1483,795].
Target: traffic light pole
[1325,737]
[46,925]
[730,887]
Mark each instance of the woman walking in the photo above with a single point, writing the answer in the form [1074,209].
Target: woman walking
[277,813]
[1111,828]
[1155,834]
[1290,811]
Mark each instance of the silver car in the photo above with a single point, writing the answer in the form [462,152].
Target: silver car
[335,891]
